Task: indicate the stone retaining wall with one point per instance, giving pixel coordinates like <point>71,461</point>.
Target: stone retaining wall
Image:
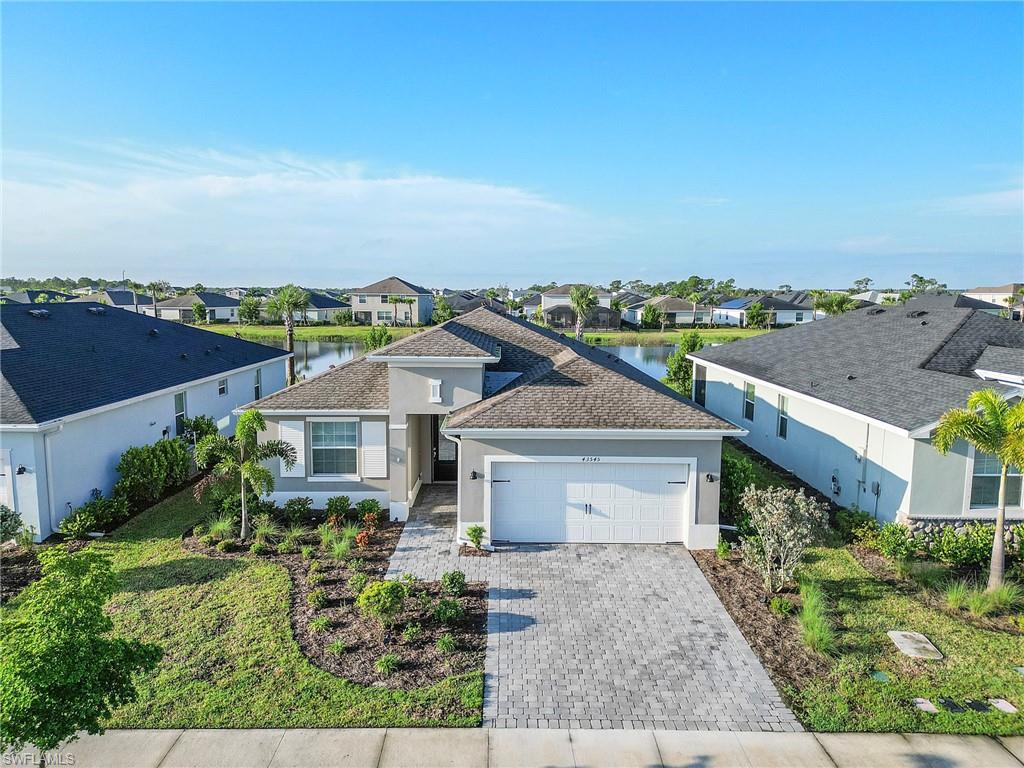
<point>926,528</point>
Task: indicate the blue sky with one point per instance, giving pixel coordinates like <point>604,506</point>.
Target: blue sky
<point>471,144</point>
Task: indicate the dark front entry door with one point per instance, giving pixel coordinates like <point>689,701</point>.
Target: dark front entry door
<point>445,454</point>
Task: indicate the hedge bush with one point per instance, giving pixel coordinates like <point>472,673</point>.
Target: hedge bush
<point>97,514</point>
<point>971,547</point>
<point>148,471</point>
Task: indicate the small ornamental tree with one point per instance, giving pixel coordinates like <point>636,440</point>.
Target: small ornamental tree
<point>249,310</point>
<point>785,523</point>
<point>61,672</point>
<point>198,312</point>
<point>379,336</point>
<point>756,316</point>
<point>679,375</point>
<point>652,317</point>
<point>442,310</point>
<point>10,523</point>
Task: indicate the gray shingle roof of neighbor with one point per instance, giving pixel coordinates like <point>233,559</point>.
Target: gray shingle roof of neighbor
<point>466,301</point>
<point>564,290</point>
<point>80,356</point>
<point>1008,288</point>
<point>671,304</point>
<point>949,301</point>
<point>1001,360</point>
<point>29,297</point>
<point>208,298</point>
<point>323,301</point>
<point>450,339</point>
<point>767,302</point>
<point>901,366</point>
<point>563,383</point>
<point>117,298</point>
<point>393,285</point>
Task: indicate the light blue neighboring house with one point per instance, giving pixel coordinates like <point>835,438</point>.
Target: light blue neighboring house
<point>82,382</point>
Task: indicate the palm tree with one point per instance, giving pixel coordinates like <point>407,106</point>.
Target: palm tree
<point>240,460</point>
<point>288,300</point>
<point>583,300</point>
<point>834,303</point>
<point>995,427</point>
<point>694,298</point>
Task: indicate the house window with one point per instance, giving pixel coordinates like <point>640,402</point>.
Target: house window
<point>333,444</point>
<point>700,384</point>
<point>384,299</point>
<point>180,413</point>
<point>257,389</point>
<point>985,482</point>
<point>435,390</point>
<point>799,317</point>
<point>385,316</point>
<point>748,402</point>
<point>783,427</point>
<point>362,298</point>
<point>222,387</point>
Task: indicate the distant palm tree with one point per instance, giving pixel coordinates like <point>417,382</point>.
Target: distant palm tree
<point>583,300</point>
<point>835,303</point>
<point>694,298</point>
<point>288,300</point>
<point>995,427</point>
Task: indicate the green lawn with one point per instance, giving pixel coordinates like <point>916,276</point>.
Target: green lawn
<point>978,663</point>
<point>764,475</point>
<point>656,338</point>
<point>230,658</point>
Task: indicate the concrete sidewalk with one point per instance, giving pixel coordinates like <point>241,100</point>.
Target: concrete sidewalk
<point>526,748</point>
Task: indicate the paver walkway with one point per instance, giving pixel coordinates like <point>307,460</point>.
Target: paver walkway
<point>600,635</point>
<point>506,748</point>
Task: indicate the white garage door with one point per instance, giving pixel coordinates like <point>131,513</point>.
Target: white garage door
<point>588,502</point>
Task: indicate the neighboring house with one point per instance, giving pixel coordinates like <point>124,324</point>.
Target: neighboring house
<point>558,311</point>
<point>876,297</point>
<point>849,403</point>
<point>530,305</point>
<point>627,299</point>
<point>952,301</point>
<point>373,305</point>
<point>219,308</point>
<point>547,439</point>
<point>35,297</point>
<point>322,309</point>
<point>130,300</point>
<point>82,383</point>
<point>86,290</point>
<point>237,293</point>
<point>677,311</point>
<point>997,294</point>
<point>734,311</point>
<point>466,301</point>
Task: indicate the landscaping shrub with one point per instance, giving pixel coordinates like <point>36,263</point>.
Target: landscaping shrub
<point>980,603</point>
<point>297,509</point>
<point>382,600</point>
<point>814,621</point>
<point>199,530</point>
<point>326,535</point>
<point>340,549</point>
<point>207,540</point>
<point>850,521</point>
<point>97,514</point>
<point>337,509</point>
<point>26,538</point>
<point>320,624</point>
<point>314,578</point>
<point>10,523</point>
<point>738,474</point>
<point>896,542</point>
<point>349,531</point>
<point>368,507</point>
<point>1006,597</point>
<point>265,529</point>
<point>956,594</point>
<point>866,534</point>
<point>781,606</point>
<point>221,526</point>
<point>357,583</point>
<point>259,548</point>
<point>453,583</point>
<point>317,598</point>
<point>226,545</point>
<point>722,549</point>
<point>314,566</point>
<point>362,539</point>
<point>386,664</point>
<point>357,565</point>
<point>307,552</point>
<point>147,471</point>
<point>786,522</point>
<point>475,533</point>
<point>337,648</point>
<point>447,611</point>
<point>970,548</point>
<point>198,427</point>
<point>411,632</point>
<point>446,643</point>
<point>287,547</point>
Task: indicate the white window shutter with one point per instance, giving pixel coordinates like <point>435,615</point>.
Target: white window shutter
<point>293,433</point>
<point>375,449</point>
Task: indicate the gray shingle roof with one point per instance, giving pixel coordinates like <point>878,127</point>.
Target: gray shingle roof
<point>117,298</point>
<point>897,366</point>
<point>1001,360</point>
<point>208,299</point>
<point>29,297</point>
<point>564,290</point>
<point>392,285</point>
<point>357,384</point>
<point>949,301</point>
<point>75,359</point>
<point>451,339</point>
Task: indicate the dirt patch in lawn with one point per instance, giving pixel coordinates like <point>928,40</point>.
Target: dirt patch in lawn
<point>775,639</point>
<point>350,645</point>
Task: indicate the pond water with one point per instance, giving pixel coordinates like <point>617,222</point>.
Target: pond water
<point>313,357</point>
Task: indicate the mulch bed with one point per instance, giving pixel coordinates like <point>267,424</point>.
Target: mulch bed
<point>465,550</point>
<point>420,662</point>
<point>21,568</point>
<point>775,639</point>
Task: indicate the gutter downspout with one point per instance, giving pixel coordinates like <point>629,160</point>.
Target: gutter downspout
<point>47,462</point>
<point>458,488</point>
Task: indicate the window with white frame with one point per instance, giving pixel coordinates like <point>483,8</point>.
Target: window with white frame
<point>362,298</point>
<point>435,390</point>
<point>180,413</point>
<point>985,482</point>
<point>782,429</point>
<point>257,389</point>
<point>384,299</point>
<point>748,402</point>
<point>334,445</point>
<point>222,387</point>
<point>385,316</point>
<point>799,317</point>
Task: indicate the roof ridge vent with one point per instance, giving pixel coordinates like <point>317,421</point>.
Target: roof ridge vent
<point>917,313</point>
<point>40,313</point>
<point>154,332</point>
<point>876,311</point>
<point>97,310</point>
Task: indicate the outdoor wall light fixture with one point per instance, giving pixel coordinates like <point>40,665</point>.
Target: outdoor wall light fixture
<point>20,470</point>
<point>473,475</point>
<point>709,477</point>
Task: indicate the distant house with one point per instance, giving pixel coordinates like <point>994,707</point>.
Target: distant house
<point>86,290</point>
<point>952,301</point>
<point>627,298</point>
<point>237,293</point>
<point>997,294</point>
<point>677,311</point>
<point>83,382</point>
<point>219,308</point>
<point>530,305</point>
<point>36,297</point>
<point>558,311</point>
<point>849,405</point>
<point>322,309</point>
<point>462,302</point>
<point>130,300</point>
<point>876,297</point>
<point>374,304</point>
<point>734,311</point>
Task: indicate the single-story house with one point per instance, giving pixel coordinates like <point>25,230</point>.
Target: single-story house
<point>130,300</point>
<point>83,382</point>
<point>558,311</point>
<point>237,293</point>
<point>546,439</point>
<point>219,308</point>
<point>530,305</point>
<point>625,299</point>
<point>952,301</point>
<point>462,302</point>
<point>392,301</point>
<point>734,311</point>
<point>849,404</point>
<point>677,311</point>
<point>36,297</point>
<point>322,309</point>
<point>876,297</point>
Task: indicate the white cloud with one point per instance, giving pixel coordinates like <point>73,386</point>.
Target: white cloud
<point>255,218</point>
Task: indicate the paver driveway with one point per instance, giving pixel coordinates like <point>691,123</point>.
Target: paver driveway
<point>600,635</point>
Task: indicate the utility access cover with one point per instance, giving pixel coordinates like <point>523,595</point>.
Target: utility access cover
<point>914,644</point>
